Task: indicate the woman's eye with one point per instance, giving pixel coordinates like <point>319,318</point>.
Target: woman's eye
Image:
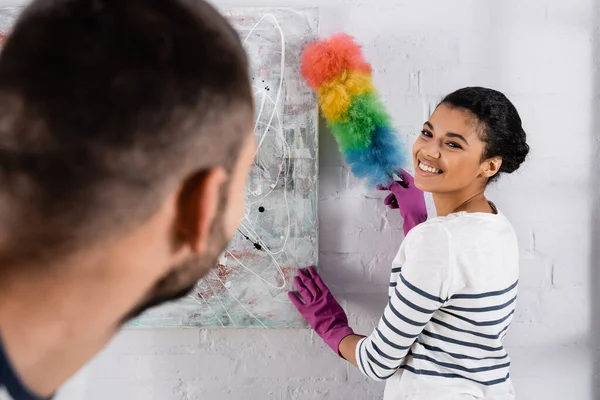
<point>426,134</point>
<point>454,145</point>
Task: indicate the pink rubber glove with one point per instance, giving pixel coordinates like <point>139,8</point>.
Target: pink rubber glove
<point>317,305</point>
<point>408,199</point>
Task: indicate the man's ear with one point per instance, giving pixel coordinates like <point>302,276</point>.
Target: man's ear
<point>198,205</point>
<point>491,166</point>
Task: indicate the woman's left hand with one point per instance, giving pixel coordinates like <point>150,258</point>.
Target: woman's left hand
<point>320,309</point>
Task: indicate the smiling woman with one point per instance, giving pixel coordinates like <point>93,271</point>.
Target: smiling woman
<point>454,281</point>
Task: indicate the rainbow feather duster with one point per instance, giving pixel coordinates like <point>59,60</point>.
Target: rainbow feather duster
<point>338,72</point>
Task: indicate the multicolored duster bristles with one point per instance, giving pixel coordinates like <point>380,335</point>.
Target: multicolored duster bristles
<point>342,78</point>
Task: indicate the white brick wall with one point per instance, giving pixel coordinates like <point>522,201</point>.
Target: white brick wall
<point>544,55</point>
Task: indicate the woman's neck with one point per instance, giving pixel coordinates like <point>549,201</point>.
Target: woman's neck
<point>469,201</point>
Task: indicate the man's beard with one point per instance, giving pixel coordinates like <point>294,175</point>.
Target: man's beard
<point>181,279</point>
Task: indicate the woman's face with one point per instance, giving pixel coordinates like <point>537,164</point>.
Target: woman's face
<point>448,153</point>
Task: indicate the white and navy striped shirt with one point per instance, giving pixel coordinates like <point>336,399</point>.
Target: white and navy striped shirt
<point>453,290</point>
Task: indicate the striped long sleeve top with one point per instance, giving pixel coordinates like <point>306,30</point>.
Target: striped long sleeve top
<point>452,296</point>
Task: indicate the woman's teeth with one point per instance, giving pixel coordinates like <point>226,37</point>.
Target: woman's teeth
<point>427,168</point>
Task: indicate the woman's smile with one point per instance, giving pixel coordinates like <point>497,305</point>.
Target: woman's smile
<point>427,169</point>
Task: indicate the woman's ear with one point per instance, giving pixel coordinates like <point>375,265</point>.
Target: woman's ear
<point>198,205</point>
<point>491,166</point>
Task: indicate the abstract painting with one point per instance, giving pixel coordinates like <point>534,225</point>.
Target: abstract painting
<point>278,233</point>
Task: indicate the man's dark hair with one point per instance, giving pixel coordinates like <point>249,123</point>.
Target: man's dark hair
<point>502,130</point>
<point>105,105</point>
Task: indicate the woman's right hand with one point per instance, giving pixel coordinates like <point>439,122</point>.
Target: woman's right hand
<point>406,197</point>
